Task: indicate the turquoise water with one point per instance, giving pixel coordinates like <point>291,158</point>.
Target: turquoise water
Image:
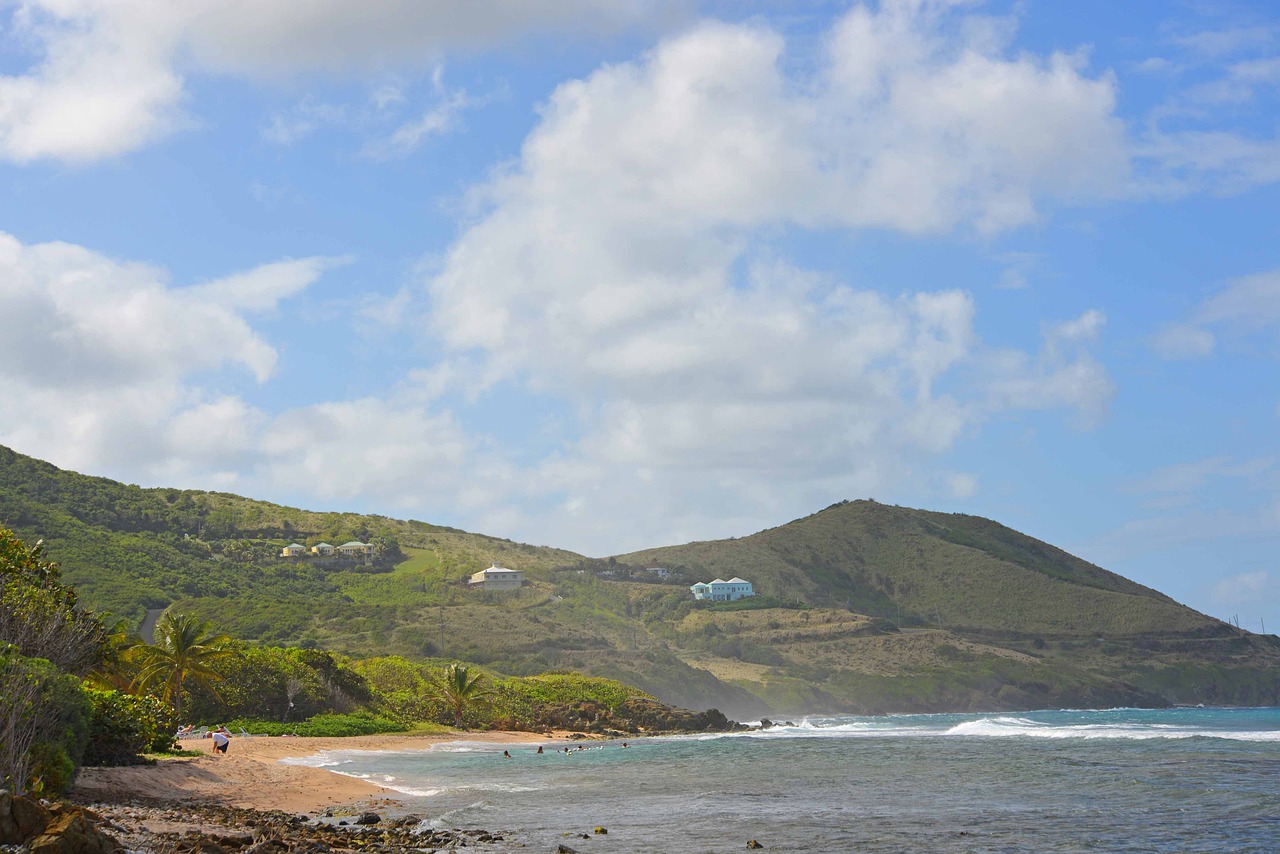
<point>1180,780</point>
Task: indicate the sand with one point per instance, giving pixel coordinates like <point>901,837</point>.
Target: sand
<point>251,775</point>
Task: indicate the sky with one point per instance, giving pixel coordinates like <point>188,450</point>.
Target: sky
<point>616,274</point>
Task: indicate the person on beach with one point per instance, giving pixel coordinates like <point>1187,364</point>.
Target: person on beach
<point>221,740</point>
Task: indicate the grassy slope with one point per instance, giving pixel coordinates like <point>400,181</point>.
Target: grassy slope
<point>990,618</point>
<point>956,572</point>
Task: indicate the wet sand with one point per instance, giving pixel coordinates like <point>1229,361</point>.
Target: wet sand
<point>251,775</point>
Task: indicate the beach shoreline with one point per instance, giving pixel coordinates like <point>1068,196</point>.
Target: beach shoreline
<point>252,775</point>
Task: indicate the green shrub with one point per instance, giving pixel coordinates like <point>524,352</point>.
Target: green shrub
<point>44,725</point>
<point>124,726</point>
<point>321,726</point>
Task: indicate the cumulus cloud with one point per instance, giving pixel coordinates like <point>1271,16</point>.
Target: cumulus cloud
<point>97,355</point>
<point>108,75</point>
<point>622,263</point>
<point>624,267</point>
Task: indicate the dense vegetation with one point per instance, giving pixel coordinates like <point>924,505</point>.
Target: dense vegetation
<point>862,606</point>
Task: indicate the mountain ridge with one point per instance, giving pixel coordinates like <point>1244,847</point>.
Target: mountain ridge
<point>864,606</point>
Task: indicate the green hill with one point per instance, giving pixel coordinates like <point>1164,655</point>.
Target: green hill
<point>863,606</point>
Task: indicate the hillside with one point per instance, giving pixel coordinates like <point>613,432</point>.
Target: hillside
<point>917,568</point>
<point>864,606</point>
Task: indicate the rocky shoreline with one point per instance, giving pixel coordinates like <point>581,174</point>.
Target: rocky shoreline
<point>28,825</point>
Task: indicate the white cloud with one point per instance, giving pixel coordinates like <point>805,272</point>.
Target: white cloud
<point>622,263</point>
<point>1192,476</point>
<point>1249,303</point>
<point>109,76</point>
<point>1171,532</point>
<point>98,356</point>
<point>440,118</point>
<point>1226,40</point>
<point>1062,374</point>
<point>1243,588</point>
<point>1250,300</point>
<point>406,456</point>
<point>264,287</point>
<point>303,120</point>
<point>1182,341</point>
<point>1018,267</point>
<point>961,485</point>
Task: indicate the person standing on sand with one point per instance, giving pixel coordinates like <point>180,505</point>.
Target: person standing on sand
<point>221,740</point>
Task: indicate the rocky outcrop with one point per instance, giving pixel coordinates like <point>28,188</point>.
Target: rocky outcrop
<point>633,717</point>
<point>53,828</point>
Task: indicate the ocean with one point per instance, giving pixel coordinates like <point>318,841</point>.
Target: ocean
<point>1125,780</point>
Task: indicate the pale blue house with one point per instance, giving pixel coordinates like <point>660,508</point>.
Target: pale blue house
<point>723,591</point>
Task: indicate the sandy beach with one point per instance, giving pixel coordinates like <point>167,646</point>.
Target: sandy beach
<point>252,776</point>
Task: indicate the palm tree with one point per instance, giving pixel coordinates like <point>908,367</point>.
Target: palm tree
<point>186,648</point>
<point>459,689</point>
<point>120,651</point>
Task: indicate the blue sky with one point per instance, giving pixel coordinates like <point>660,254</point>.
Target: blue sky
<point>611,275</point>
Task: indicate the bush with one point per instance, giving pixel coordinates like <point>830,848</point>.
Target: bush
<point>124,726</point>
<point>44,722</point>
<point>321,726</point>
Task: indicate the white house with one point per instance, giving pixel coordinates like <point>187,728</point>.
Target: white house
<point>659,571</point>
<point>355,548</point>
<point>723,591</point>
<point>496,578</point>
<point>322,549</point>
<point>293,550</point>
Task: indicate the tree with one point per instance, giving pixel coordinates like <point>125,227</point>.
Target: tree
<point>39,614</point>
<point>186,648</point>
<point>44,724</point>
<point>461,689</point>
<point>46,643</point>
<point>117,666</point>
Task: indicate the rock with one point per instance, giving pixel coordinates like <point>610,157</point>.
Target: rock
<point>602,830</point>
<point>235,840</point>
<point>8,827</point>
<point>368,818</point>
<point>565,849</point>
<point>70,832</point>
<point>753,844</point>
<point>30,818</point>
<point>267,846</point>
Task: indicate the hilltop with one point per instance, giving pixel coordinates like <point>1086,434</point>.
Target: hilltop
<point>863,607</point>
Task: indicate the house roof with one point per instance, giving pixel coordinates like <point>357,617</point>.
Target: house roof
<point>355,543</point>
<point>322,546</point>
<point>496,568</point>
<point>293,546</point>
<point>737,580</point>
<point>719,581</point>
